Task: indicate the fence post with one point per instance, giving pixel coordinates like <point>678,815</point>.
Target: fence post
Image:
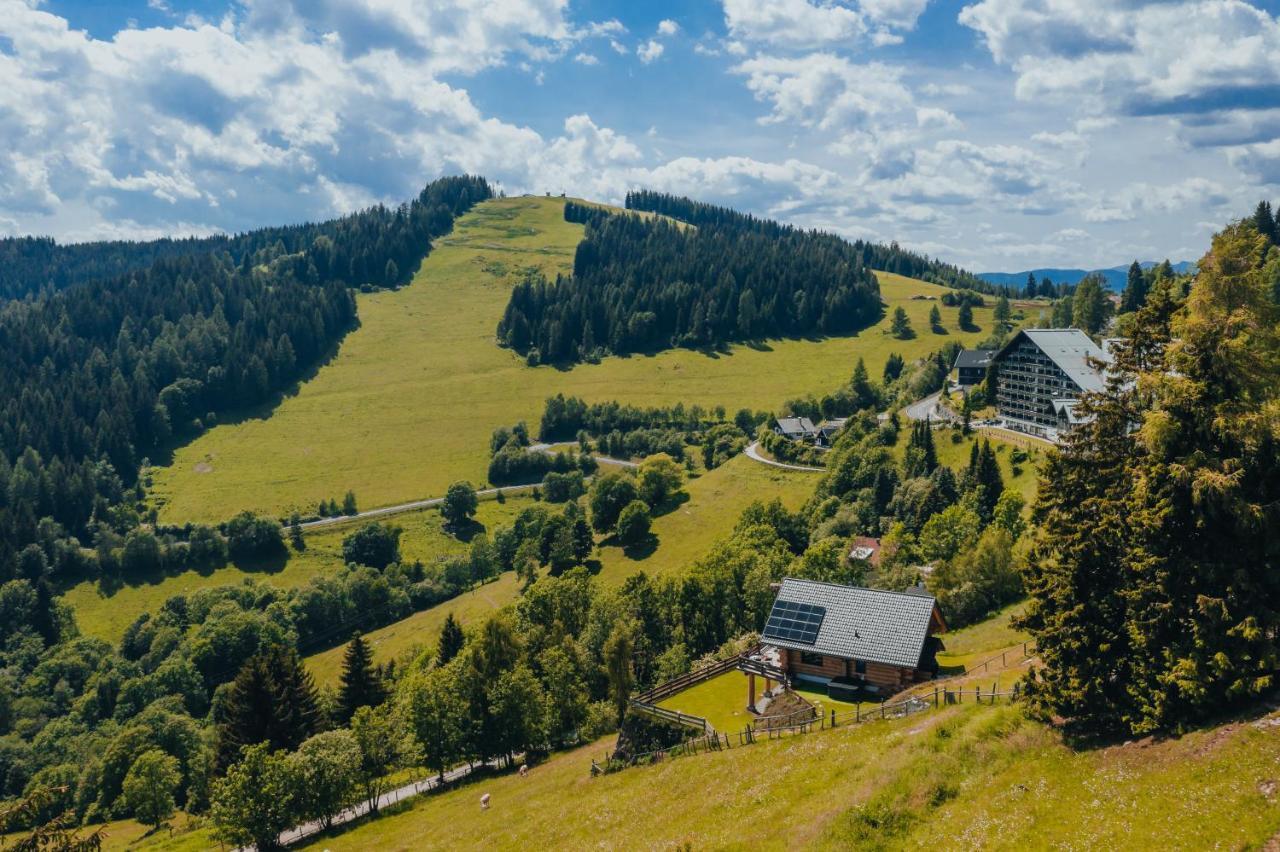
<point>833,717</point>
<point>857,712</point>
<point>935,698</point>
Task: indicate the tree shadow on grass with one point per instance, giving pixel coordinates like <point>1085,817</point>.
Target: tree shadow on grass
<point>109,585</point>
<point>641,550</point>
<point>1229,719</point>
<point>669,505</point>
<point>465,531</point>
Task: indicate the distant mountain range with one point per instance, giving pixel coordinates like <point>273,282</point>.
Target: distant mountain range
<point>1115,276</point>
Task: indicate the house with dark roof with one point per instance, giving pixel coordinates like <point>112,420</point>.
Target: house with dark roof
<point>795,428</point>
<point>1041,373</point>
<point>827,431</point>
<point>850,640</point>
<point>971,366</point>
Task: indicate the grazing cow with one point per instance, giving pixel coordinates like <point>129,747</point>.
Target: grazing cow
<point>484,802</point>
<point>524,770</point>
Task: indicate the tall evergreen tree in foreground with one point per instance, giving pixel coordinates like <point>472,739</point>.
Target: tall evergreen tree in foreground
<point>1155,582</point>
<point>361,684</point>
<point>273,700</point>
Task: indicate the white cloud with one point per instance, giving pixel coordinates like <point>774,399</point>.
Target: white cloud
<point>650,50</point>
<point>668,27</point>
<point>897,13</point>
<point>1138,199</point>
<point>825,91</point>
<point>933,117</point>
<point>262,119</point>
<point>953,90</point>
<point>1065,139</point>
<point>793,23</point>
<point>1176,58</point>
<point>586,59</point>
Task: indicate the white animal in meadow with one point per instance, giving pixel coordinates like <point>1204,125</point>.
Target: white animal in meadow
<point>484,802</point>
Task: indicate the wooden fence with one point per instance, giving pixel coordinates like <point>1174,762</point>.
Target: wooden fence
<point>1027,653</point>
<point>719,741</point>
<point>686,680</point>
<point>685,719</point>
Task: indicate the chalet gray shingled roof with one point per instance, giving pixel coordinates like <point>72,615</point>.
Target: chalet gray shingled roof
<point>974,358</point>
<point>1068,348</point>
<point>796,425</point>
<point>861,624</point>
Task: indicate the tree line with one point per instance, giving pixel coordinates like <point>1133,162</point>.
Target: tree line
<point>889,258</point>
<point>379,246</point>
<point>645,284</point>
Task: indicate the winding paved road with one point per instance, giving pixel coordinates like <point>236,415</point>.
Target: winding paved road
<point>753,452</point>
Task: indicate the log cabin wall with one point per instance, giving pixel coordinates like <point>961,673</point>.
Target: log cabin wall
<point>887,677</point>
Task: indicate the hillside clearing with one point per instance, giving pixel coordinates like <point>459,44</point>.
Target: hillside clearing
<point>964,777</point>
<point>408,403</point>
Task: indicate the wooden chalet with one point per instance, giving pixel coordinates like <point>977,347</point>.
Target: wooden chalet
<point>852,641</point>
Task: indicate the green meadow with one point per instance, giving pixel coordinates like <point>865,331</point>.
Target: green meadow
<point>408,402</point>
<point>963,777</point>
<point>716,500</point>
<point>105,613</point>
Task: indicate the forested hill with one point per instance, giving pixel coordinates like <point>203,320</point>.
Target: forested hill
<point>889,258</point>
<point>644,284</point>
<point>379,246</point>
<point>100,375</point>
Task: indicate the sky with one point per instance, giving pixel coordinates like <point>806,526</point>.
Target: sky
<point>995,134</point>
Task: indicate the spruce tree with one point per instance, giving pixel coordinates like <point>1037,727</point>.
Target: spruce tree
<point>1135,289</point>
<point>273,699</point>
<point>451,640</point>
<point>989,478</point>
<point>1153,585</point>
<point>361,684</point>
<point>1266,223</point>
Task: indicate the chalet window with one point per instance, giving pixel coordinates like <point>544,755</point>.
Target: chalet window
<point>860,666</point>
<point>809,658</point>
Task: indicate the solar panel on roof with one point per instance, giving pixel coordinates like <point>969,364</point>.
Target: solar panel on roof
<point>795,622</point>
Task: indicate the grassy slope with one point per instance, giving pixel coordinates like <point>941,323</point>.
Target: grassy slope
<point>104,615</point>
<point>962,777</point>
<point>409,401</point>
<point>716,499</point>
<point>956,456</point>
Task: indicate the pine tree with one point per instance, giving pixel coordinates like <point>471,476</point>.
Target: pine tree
<point>965,317</point>
<point>1135,289</point>
<point>900,326</point>
<point>1003,314</point>
<point>1266,223</point>
<point>989,479</point>
<point>451,640</point>
<point>361,685</point>
<point>273,699</point>
<point>935,320</point>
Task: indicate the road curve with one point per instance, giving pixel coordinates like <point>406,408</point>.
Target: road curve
<point>753,452</point>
